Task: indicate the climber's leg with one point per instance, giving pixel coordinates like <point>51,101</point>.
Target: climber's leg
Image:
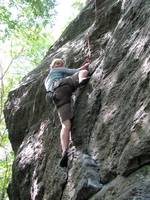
<point>70,139</point>
<point>65,135</point>
<point>83,75</point>
<point>64,139</point>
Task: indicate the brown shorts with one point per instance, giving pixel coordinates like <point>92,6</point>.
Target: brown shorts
<point>62,96</point>
<point>65,112</point>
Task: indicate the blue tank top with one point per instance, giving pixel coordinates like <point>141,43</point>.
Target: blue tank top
<point>57,74</point>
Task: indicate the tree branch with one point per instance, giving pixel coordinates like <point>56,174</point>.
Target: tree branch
<point>11,62</point>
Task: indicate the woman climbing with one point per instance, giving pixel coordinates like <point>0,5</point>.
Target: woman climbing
<point>62,82</point>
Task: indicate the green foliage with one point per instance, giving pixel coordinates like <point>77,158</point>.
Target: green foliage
<point>6,154</point>
<point>5,17</point>
<point>5,172</point>
<point>24,38</point>
<point>24,14</point>
<point>39,7</point>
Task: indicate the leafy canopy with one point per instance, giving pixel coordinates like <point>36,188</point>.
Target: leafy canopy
<point>15,14</point>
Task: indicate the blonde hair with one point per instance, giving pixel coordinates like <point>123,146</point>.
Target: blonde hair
<point>56,61</point>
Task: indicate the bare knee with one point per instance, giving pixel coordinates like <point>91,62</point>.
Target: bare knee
<point>83,73</point>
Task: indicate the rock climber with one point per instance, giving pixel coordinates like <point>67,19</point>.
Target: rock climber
<point>61,82</point>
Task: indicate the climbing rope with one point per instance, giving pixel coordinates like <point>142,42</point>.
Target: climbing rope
<point>87,49</point>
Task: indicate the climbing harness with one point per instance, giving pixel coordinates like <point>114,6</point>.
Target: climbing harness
<point>51,93</point>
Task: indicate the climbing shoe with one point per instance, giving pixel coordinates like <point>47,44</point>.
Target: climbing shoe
<point>64,160</point>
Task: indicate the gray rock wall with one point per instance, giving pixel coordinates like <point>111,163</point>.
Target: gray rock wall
<point>110,155</point>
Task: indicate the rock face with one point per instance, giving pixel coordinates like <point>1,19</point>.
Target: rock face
<point>110,156</point>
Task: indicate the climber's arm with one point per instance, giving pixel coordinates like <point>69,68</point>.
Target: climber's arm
<point>72,71</point>
<point>85,65</point>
